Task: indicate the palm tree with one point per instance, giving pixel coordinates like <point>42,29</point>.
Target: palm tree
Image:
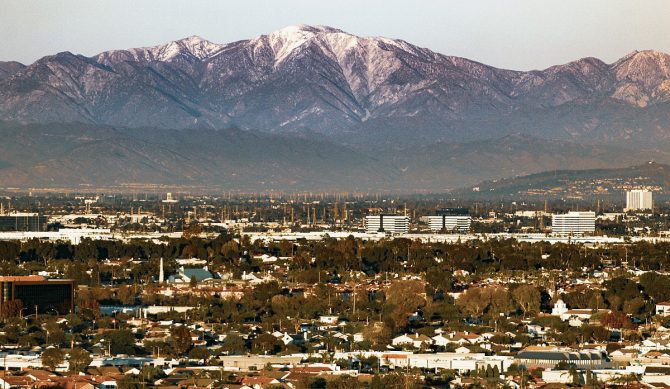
<point>627,379</point>
<point>573,372</point>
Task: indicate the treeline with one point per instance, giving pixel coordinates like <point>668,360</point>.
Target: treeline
<point>344,255</point>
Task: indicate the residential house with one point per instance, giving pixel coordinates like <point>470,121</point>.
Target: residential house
<point>414,340</point>
<point>663,309</point>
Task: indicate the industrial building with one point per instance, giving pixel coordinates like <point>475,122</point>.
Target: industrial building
<point>573,223</point>
<point>393,224</point>
<point>450,220</point>
<point>638,200</point>
<point>23,222</point>
<point>37,295</point>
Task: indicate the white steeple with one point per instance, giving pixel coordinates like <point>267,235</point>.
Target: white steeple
<point>161,274</point>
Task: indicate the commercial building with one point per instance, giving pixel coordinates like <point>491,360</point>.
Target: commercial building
<point>548,358</point>
<point>393,224</point>
<point>450,220</point>
<point>23,222</point>
<point>573,223</point>
<point>169,198</point>
<point>638,200</point>
<point>36,294</point>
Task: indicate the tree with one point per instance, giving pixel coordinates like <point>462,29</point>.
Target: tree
<point>266,344</point>
<point>656,285</point>
<point>11,308</point>
<point>181,340</point>
<point>439,280</point>
<point>378,334</point>
<point>52,358</point>
<point>199,353</point>
<point>193,230</point>
<point>501,303</point>
<point>626,379</point>
<point>620,289</point>
<point>79,359</point>
<point>616,320</point>
<point>129,382</point>
<point>634,306</point>
<point>234,345</point>
<point>343,382</point>
<point>230,250</point>
<point>90,307</point>
<point>406,297</point>
<point>281,305</point>
<point>574,373</point>
<point>591,379</point>
<point>120,341</point>
<point>528,298</point>
<point>473,301</point>
<point>125,295</point>
<point>393,380</point>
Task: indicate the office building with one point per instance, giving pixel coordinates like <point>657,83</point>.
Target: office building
<point>638,200</point>
<point>450,220</point>
<point>169,198</point>
<point>548,357</point>
<point>573,223</point>
<point>23,222</point>
<point>393,224</point>
<point>36,294</point>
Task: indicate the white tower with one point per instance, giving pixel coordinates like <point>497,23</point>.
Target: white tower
<point>638,200</point>
<point>161,274</point>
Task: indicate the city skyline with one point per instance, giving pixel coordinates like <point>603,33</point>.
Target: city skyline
<point>348,195</point>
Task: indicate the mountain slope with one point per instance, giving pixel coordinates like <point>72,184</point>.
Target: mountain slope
<point>606,181</point>
<point>76,155</point>
<point>331,82</point>
<point>9,68</point>
<point>96,156</point>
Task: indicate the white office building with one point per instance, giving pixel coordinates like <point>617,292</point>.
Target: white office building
<point>638,200</point>
<point>573,223</point>
<point>393,224</point>
<point>449,223</point>
<point>169,198</point>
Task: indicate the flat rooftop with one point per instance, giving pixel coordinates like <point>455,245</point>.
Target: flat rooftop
<point>33,278</point>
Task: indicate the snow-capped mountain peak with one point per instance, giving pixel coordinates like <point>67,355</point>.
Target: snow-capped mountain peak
<point>647,62</point>
<point>287,39</point>
<point>319,78</point>
<point>193,47</point>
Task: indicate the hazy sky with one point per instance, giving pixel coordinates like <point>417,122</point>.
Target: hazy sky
<point>512,34</point>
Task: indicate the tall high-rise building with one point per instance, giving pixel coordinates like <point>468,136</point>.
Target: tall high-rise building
<point>450,220</point>
<point>638,200</point>
<point>576,223</point>
<point>394,224</point>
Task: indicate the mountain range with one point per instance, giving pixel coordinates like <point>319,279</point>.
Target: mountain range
<point>327,109</point>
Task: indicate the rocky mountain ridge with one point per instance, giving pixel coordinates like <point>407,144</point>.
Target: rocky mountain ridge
<point>334,83</point>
